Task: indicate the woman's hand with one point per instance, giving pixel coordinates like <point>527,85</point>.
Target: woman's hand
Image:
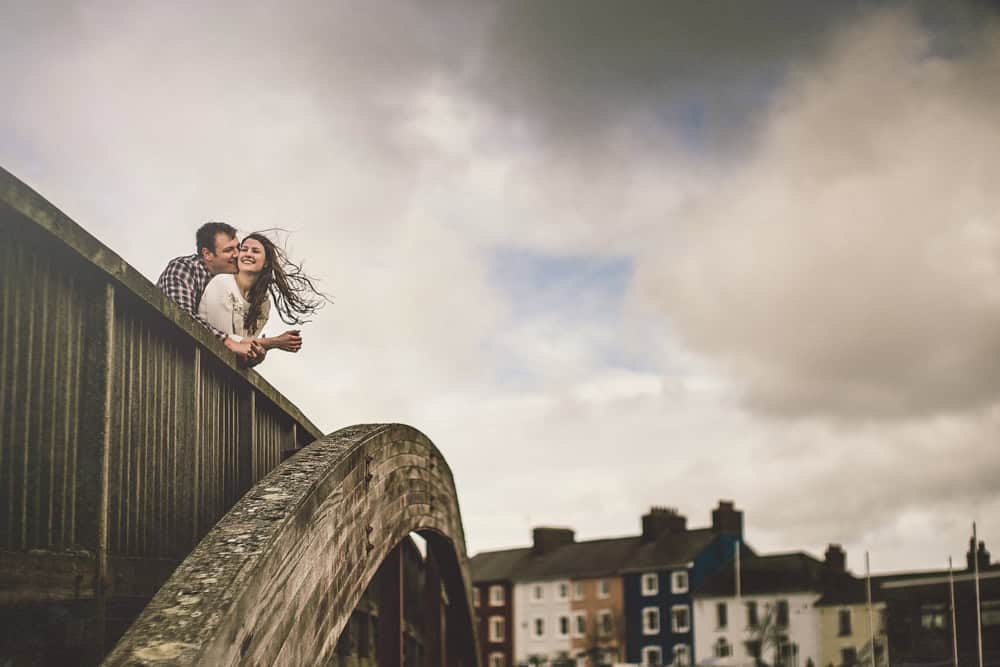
<point>290,341</point>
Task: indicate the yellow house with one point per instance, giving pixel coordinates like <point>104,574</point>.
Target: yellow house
<point>845,634</point>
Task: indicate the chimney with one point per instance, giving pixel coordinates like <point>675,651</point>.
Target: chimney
<point>727,519</point>
<point>546,540</point>
<point>981,554</point>
<point>835,559</point>
<point>662,520</point>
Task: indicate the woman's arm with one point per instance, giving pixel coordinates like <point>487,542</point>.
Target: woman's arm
<point>290,341</point>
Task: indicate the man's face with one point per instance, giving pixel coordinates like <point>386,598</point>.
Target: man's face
<point>223,260</point>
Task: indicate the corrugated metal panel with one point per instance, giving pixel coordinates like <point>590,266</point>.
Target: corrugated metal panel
<point>218,454</point>
<point>41,347</point>
<point>273,435</point>
<point>150,438</point>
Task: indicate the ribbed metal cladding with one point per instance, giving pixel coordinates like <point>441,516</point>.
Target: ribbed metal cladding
<point>272,436</point>
<point>151,482</point>
<point>42,334</point>
<point>219,435</point>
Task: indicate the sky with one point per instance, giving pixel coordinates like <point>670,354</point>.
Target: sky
<point>605,255</point>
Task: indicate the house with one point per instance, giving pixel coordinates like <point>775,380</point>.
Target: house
<point>847,626</point>
<point>492,601</point>
<point>772,618</point>
<point>670,562</point>
<point>920,618</point>
<point>564,602</point>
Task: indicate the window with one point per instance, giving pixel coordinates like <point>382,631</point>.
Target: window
<point>679,582</point>
<point>578,590</point>
<point>562,590</point>
<point>682,655</point>
<point>497,628</point>
<point>650,585</point>
<point>722,648</point>
<point>605,623</point>
<point>932,616</point>
<point>721,615</point>
<point>781,614</point>
<point>537,593</point>
<point>990,613</point>
<point>538,628</point>
<point>497,660</point>
<point>475,596</point>
<point>752,614</point>
<point>496,596</point>
<point>680,618</point>
<point>848,656</point>
<point>564,626</point>
<point>651,621</point>
<point>844,622</point>
<point>787,653</point>
<point>580,624</point>
<point>603,588</point>
<point>651,655</point>
<point>753,648</point>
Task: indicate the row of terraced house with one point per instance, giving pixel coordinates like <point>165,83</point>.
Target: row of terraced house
<point>672,596</point>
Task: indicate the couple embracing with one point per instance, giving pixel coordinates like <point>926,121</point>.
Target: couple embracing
<point>228,286</point>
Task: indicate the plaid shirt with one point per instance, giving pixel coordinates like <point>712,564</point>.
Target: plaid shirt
<point>183,281</point>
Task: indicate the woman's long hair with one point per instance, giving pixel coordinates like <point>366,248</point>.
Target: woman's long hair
<point>294,294</point>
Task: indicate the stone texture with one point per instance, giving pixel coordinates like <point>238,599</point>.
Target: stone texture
<point>276,581</point>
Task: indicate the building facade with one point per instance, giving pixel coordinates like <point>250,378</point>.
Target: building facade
<point>659,579</point>
<point>598,620</point>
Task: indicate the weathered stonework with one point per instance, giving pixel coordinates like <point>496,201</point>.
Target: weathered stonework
<point>276,580</point>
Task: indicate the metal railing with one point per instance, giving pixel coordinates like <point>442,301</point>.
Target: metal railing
<point>126,429</point>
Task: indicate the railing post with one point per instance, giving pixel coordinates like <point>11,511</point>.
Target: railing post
<point>196,448</point>
<point>434,649</point>
<point>247,444</point>
<point>389,651</point>
<point>93,460</point>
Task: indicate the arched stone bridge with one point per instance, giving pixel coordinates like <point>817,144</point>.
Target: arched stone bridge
<point>159,504</point>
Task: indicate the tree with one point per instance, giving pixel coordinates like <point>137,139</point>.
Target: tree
<point>767,638</point>
<point>598,640</point>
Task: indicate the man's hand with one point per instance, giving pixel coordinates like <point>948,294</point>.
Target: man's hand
<point>290,341</point>
<point>249,350</point>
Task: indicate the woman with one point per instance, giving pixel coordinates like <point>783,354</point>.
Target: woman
<point>239,303</point>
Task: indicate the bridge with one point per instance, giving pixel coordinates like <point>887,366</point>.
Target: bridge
<point>162,505</point>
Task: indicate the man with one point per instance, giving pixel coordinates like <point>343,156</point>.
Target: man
<point>185,278</point>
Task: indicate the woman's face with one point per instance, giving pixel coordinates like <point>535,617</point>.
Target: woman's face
<point>251,258</point>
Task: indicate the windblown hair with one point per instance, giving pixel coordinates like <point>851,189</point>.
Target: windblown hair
<point>295,296</point>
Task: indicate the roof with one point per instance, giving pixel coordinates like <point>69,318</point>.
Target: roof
<point>592,558</point>
<point>670,550</point>
<point>852,590</point>
<point>497,565</point>
<point>778,573</point>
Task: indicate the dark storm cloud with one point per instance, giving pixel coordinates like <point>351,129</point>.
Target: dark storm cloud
<point>575,69</point>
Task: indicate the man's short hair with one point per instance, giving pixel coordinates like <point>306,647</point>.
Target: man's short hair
<point>205,236</point>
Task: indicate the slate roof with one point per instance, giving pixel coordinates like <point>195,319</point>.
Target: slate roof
<point>851,590</point>
<point>670,550</point>
<point>592,558</point>
<point>778,573</point>
<point>497,565</point>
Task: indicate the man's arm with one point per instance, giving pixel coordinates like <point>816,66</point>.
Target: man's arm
<point>177,283</point>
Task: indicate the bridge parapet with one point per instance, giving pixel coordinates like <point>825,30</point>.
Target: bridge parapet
<point>276,581</point>
<point>126,429</point>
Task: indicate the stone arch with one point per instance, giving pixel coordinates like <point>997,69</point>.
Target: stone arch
<point>276,580</point>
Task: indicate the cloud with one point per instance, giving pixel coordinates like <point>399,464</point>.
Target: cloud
<point>848,267</point>
<point>495,193</point>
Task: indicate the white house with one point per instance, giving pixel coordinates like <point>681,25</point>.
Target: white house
<point>774,616</point>
<point>543,618</point>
